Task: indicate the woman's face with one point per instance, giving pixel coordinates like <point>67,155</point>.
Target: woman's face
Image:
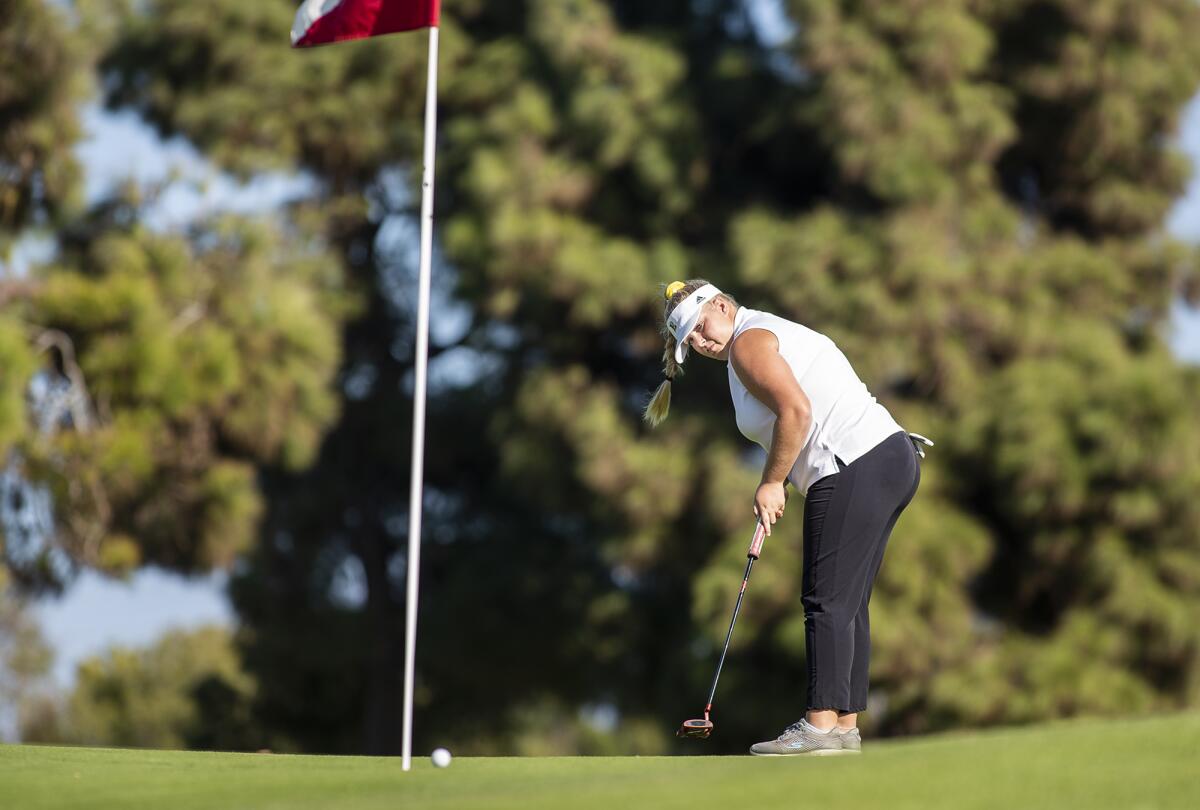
<point>711,335</point>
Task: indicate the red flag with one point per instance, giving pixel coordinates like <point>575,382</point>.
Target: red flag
<point>320,22</point>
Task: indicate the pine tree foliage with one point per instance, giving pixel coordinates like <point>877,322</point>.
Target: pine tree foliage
<point>1000,255</point>
<point>185,690</point>
<point>199,357</point>
<point>967,195</point>
<point>25,658</point>
<point>42,78</point>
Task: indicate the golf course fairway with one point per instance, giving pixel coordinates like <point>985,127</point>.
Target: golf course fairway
<point>1093,764</point>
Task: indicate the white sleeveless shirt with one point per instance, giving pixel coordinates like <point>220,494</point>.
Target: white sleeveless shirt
<point>847,422</point>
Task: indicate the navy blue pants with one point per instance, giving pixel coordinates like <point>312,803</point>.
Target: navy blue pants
<point>848,517</point>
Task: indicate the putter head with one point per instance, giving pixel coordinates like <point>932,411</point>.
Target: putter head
<point>696,729</point>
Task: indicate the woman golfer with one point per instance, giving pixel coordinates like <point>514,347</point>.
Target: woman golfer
<point>795,394</point>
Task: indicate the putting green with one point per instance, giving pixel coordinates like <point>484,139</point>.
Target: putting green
<point>1093,764</point>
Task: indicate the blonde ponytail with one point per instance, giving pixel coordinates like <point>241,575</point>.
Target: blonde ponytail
<point>660,403</point>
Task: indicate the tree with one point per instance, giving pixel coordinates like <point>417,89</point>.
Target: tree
<point>144,375</point>
<point>189,359</point>
<point>41,79</point>
<point>186,690</point>
<point>1000,214</point>
<point>44,77</point>
<point>39,177</point>
<point>25,660</point>
<point>967,195</point>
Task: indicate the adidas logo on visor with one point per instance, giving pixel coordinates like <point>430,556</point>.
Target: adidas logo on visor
<point>678,313</point>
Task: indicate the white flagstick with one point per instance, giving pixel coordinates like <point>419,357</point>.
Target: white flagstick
<point>418,433</point>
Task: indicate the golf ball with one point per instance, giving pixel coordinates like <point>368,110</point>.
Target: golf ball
<point>441,757</point>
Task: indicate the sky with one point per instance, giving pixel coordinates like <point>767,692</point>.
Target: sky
<point>96,612</point>
<point>1184,222</point>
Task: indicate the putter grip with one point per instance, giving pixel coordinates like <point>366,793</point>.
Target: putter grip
<point>760,533</point>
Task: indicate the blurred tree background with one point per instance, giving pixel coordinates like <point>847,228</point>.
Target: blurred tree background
<point>967,195</point>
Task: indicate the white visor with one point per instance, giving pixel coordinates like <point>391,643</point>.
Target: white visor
<point>683,318</point>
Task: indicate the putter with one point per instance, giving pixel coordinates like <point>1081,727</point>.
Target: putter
<point>702,728</point>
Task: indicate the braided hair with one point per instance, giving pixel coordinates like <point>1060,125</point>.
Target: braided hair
<point>660,403</point>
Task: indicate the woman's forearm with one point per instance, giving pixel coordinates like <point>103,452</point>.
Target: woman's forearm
<point>791,428</point>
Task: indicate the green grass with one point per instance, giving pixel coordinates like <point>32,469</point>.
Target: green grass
<point>1092,764</point>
